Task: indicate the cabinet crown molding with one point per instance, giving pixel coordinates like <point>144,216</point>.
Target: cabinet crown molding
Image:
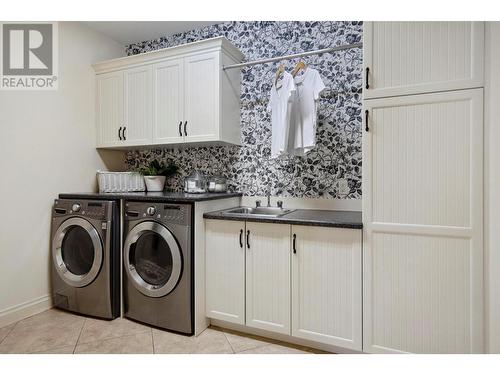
<point>206,45</point>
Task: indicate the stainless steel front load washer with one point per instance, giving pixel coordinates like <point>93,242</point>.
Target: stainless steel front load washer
<point>86,257</point>
<point>157,258</point>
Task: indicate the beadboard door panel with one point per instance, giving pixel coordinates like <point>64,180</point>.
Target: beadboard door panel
<point>423,223</point>
<point>419,57</point>
<point>109,109</point>
<point>421,294</point>
<point>168,105</point>
<point>225,270</point>
<point>268,277</point>
<point>202,97</point>
<point>138,93</point>
<point>326,286</point>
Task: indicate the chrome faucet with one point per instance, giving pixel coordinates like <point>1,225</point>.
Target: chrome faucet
<point>268,195</point>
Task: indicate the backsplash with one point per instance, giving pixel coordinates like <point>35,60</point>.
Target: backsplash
<point>248,167</point>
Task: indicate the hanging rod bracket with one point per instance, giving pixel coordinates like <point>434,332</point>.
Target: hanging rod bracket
<point>294,56</point>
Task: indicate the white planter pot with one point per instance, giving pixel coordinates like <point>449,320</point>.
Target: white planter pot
<point>155,183</point>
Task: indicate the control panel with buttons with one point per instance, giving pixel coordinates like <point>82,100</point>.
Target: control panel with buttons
<point>164,212</point>
<point>90,209</point>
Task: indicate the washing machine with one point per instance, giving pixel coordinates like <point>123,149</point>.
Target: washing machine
<point>86,257</point>
<point>158,260</point>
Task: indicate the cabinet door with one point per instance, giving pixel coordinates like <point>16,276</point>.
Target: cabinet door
<point>225,270</point>
<point>417,57</point>
<point>138,106</point>
<point>268,277</point>
<point>423,230</point>
<point>202,72</point>
<point>109,109</point>
<point>326,285</point>
<point>168,111</point>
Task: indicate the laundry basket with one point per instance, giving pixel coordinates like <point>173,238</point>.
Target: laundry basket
<point>113,182</point>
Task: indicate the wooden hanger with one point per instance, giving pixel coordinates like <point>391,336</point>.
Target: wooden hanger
<point>279,73</point>
<point>301,65</point>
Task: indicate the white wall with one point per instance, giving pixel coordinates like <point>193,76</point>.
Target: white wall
<point>47,146</point>
<point>492,186</point>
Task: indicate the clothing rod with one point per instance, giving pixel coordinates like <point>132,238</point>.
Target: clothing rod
<point>294,56</point>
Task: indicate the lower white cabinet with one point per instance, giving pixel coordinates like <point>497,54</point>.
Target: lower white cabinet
<point>268,277</point>
<point>302,281</point>
<point>225,270</point>
<point>326,285</point>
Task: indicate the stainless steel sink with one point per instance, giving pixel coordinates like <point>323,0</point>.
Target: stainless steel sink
<point>258,211</point>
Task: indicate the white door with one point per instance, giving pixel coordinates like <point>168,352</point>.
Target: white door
<point>168,105</point>
<point>422,217</point>
<point>109,109</point>
<point>138,91</point>
<point>202,72</point>
<point>403,58</point>
<point>326,285</point>
<point>268,276</point>
<point>225,270</point>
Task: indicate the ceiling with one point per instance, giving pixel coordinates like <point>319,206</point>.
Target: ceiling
<point>127,32</point>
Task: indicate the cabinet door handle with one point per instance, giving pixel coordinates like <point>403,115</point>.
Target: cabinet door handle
<point>120,133</point>
<point>185,126</point>
<point>241,241</point>
<point>367,128</point>
<point>294,243</point>
<point>124,136</point>
<point>248,239</point>
<point>180,130</point>
<point>367,78</point>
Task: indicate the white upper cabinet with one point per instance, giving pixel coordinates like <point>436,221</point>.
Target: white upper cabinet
<point>110,114</point>
<point>170,96</point>
<point>201,97</point>
<point>326,285</point>
<point>268,276</point>
<point>168,101</point>
<point>137,125</point>
<point>402,58</point>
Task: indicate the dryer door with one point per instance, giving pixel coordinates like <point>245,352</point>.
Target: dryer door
<point>77,252</point>
<point>152,259</point>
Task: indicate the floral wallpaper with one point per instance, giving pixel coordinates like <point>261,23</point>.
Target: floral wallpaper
<point>249,169</point>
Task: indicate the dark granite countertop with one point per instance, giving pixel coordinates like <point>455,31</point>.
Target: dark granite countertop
<point>152,197</point>
<point>322,218</point>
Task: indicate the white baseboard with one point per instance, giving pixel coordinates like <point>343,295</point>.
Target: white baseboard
<point>282,337</point>
<point>24,310</point>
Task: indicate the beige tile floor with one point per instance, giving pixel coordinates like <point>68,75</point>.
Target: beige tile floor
<point>56,331</point>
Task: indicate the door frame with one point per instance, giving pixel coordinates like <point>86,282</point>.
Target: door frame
<point>77,281</point>
<point>136,280</point>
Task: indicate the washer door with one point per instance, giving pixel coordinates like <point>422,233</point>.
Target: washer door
<point>77,252</point>
<point>152,259</point>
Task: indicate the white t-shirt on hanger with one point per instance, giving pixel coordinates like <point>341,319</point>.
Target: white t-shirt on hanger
<point>280,105</point>
<point>303,118</point>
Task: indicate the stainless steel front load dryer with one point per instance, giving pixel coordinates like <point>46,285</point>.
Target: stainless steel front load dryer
<point>157,258</point>
<point>86,257</point>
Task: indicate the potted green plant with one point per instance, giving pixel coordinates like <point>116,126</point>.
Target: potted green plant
<point>156,173</point>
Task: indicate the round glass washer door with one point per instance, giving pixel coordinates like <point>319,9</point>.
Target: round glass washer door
<point>152,259</point>
<point>77,252</point>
